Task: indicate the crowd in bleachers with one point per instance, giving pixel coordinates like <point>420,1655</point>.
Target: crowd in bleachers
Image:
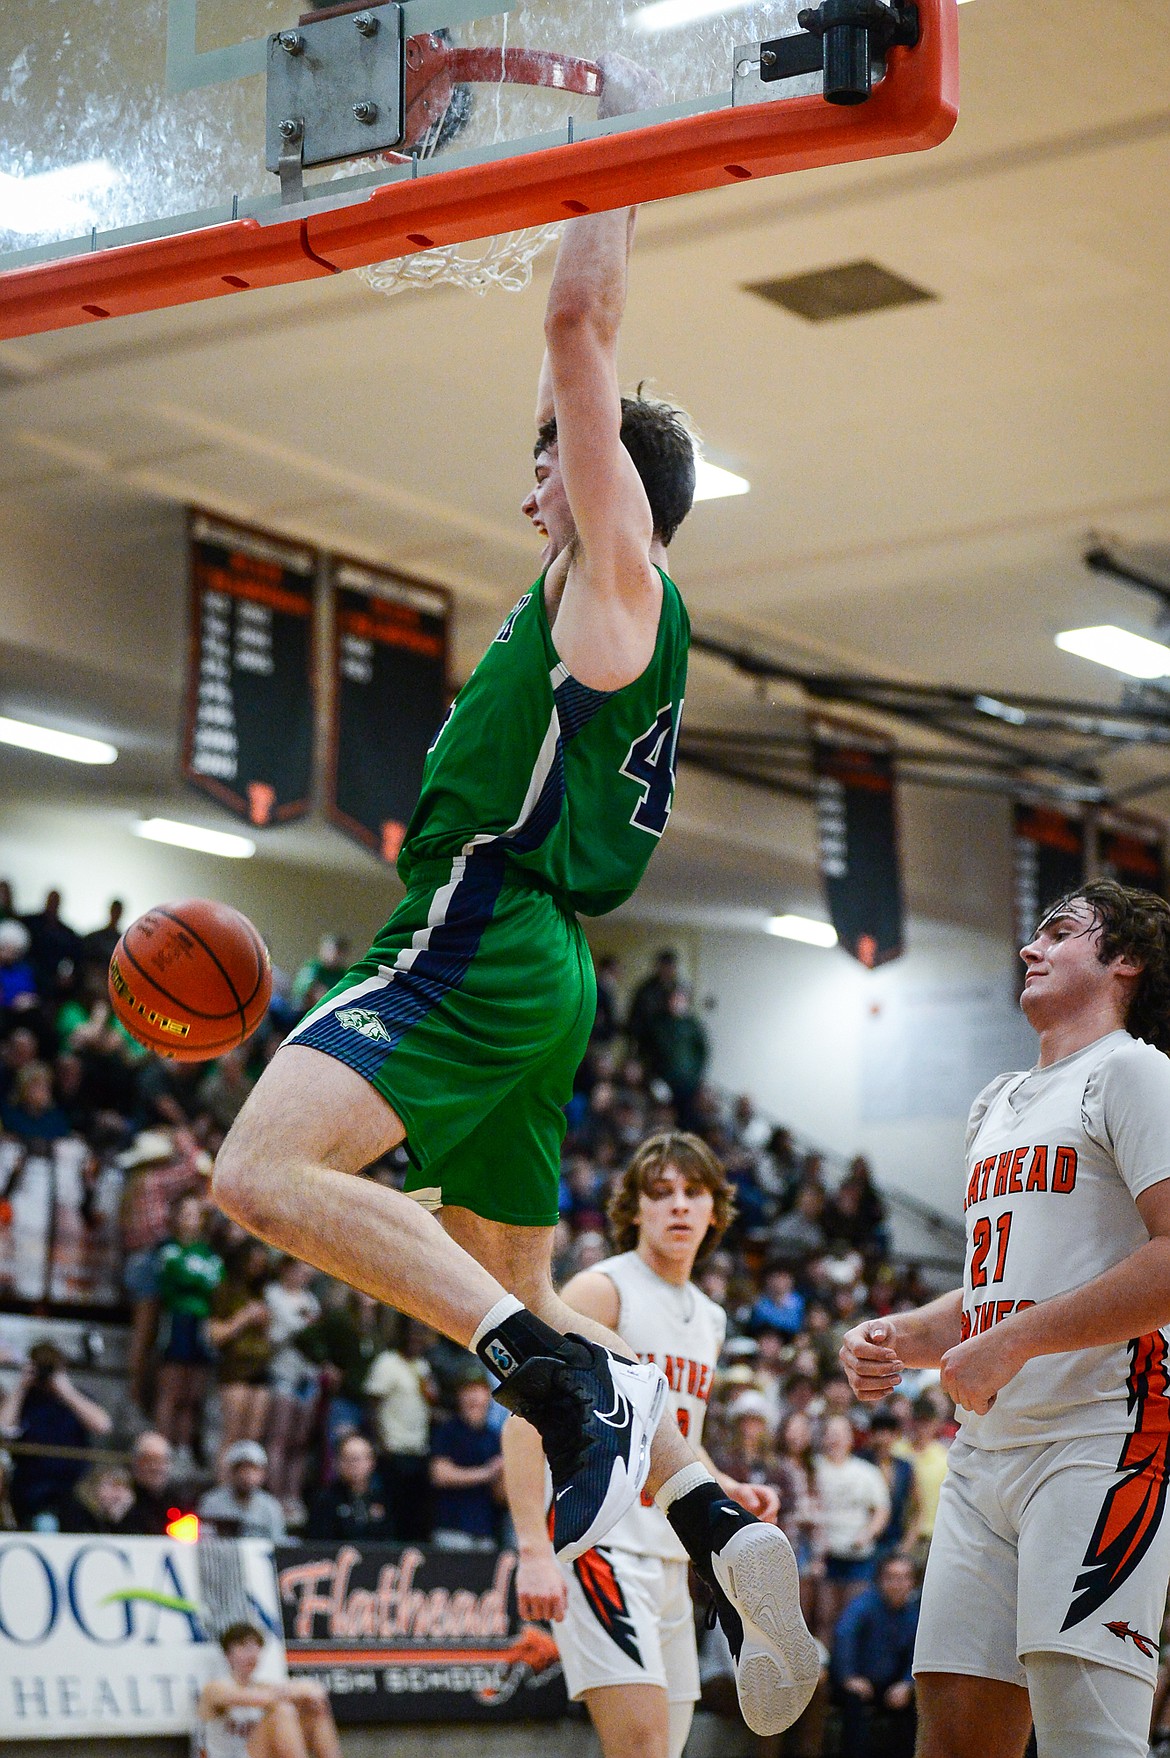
<point>274,1401</point>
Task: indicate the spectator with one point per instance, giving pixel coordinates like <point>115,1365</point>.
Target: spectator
<point>158,1168</point>
<point>240,1508</point>
<point>873,1650</point>
<point>856,1212</point>
<point>318,975</point>
<point>53,944</point>
<point>45,1409</point>
<point>156,1501</point>
<point>188,1273</point>
<point>749,1457</point>
<point>400,1390</point>
<point>607,1020</point>
<point>101,1502</point>
<point>97,947</point>
<point>295,1382</point>
<point>649,1002</point>
<point>239,1329</point>
<point>18,983</point>
<point>679,1051</point>
<point>222,1091</point>
<point>467,1473</point>
<point>855,1506</point>
<point>244,1718</point>
<point>800,1514</point>
<point>780,1306</point>
<point>799,1234</point>
<point>354,1505</point>
<point>33,1116</point>
<point>928,1458</point>
<point>898,1472</point>
<point>350,1332</point>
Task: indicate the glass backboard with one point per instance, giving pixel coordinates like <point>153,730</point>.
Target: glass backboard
<point>153,151</point>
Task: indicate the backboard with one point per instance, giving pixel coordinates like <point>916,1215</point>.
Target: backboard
<point>158,151</point>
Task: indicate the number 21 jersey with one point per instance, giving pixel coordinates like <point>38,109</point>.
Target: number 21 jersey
<point>571,784</point>
<point>1055,1161</point>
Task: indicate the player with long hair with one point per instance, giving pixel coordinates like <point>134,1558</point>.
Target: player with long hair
<point>622,1613</point>
<point>1048,1569</point>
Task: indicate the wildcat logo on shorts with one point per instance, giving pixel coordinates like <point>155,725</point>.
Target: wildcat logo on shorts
<point>360,1019</point>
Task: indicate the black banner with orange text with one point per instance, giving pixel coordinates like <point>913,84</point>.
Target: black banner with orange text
<point>248,734</point>
<point>1133,851</point>
<point>1049,860</point>
<point>407,1633</point>
<point>389,698</point>
<point>857,821</point>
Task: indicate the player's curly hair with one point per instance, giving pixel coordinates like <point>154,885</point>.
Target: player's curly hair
<point>685,1153</point>
<point>662,446</point>
<point>1135,923</point>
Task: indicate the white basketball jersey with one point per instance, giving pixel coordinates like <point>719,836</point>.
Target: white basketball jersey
<point>680,1330</point>
<point>1055,1159</point>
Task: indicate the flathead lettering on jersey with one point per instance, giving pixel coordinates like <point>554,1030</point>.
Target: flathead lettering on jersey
<point>692,1377</point>
<point>1022,1171</point>
<point>987,1313</point>
<point>1134,1508</point>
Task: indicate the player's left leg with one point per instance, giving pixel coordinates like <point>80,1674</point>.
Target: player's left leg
<point>1082,1709</point>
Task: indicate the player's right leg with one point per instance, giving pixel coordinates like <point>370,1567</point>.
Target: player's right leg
<point>960,1716</point>
<point>286,1172</point>
<point>632,1721</point>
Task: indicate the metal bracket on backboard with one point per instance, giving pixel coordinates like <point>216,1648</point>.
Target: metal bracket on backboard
<point>189,67</point>
<point>844,42</point>
<point>335,91</point>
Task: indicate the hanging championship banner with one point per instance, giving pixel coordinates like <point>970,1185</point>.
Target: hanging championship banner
<point>1132,850</point>
<point>1049,860</point>
<point>858,835</point>
<point>406,1634</point>
<point>389,668</point>
<point>248,737</point>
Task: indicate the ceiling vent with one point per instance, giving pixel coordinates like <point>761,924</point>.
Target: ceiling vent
<point>844,291</point>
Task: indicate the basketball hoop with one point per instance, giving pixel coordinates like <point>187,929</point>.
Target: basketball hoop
<point>438,102</point>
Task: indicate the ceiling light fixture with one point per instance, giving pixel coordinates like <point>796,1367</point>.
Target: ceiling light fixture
<point>54,201</point>
<point>55,744</point>
<point>1119,649</point>
<point>713,483</point>
<point>804,929</point>
<point>668,15</point>
<point>208,842</point>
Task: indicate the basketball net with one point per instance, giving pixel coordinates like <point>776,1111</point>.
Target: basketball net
<point>504,261</point>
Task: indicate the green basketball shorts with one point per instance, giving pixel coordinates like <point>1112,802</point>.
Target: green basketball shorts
<point>470,1014</point>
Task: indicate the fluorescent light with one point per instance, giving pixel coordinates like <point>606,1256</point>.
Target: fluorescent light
<point>667,15</point>
<point>208,842</point>
<point>1001,710</point>
<point>713,483</point>
<point>54,201</point>
<point>1119,649</point>
<point>803,928</point>
<point>54,743</point>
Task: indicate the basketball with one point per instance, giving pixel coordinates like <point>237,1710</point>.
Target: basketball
<point>190,980</point>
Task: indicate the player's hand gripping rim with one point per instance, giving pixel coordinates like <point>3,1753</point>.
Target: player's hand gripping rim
<point>870,1360</point>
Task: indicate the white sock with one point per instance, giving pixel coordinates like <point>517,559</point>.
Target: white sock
<point>681,1484</point>
<point>504,1308</point>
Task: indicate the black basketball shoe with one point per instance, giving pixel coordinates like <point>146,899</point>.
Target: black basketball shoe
<point>753,1576</point>
<point>596,1414</point>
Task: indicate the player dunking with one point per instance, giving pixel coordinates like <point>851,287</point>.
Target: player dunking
<point>1048,1570</point>
<point>624,1622</point>
<point>544,794</point>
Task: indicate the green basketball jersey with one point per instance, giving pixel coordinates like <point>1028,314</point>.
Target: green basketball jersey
<point>571,784</point>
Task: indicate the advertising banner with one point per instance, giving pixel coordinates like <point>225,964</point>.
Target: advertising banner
<point>248,738</point>
<point>389,693</point>
<point>110,1635</point>
<point>412,1634</point>
<point>857,822</point>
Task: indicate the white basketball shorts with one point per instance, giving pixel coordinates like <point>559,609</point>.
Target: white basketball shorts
<point>629,1621</point>
<point>1059,1549</point>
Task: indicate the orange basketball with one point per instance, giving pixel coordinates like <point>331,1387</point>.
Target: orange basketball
<point>191,980</point>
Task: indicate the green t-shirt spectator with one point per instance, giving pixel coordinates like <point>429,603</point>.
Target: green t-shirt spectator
<point>188,1276</point>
